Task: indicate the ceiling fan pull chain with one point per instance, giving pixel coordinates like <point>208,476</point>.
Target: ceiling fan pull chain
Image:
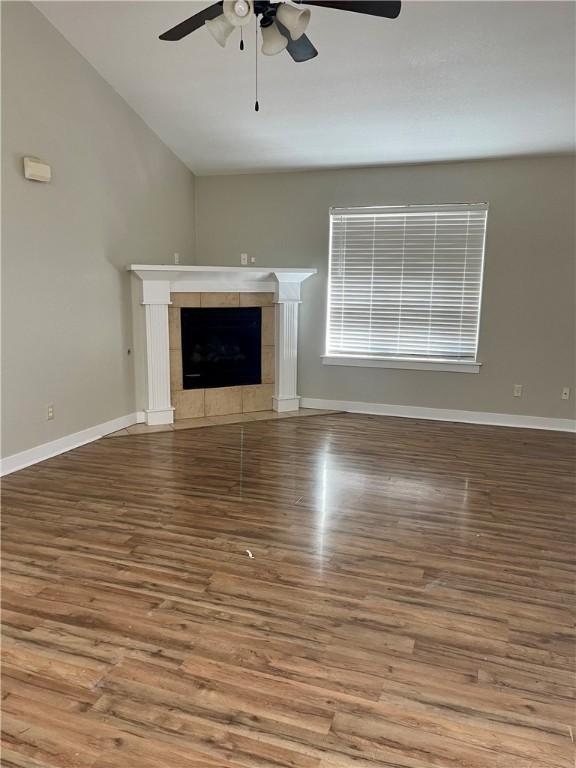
<point>241,39</point>
<point>256,105</point>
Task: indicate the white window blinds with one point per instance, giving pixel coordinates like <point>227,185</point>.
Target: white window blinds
<point>406,282</point>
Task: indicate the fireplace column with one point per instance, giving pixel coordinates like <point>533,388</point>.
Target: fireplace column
<point>156,298</point>
<point>286,380</point>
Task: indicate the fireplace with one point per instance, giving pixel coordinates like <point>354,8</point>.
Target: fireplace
<point>274,293</point>
<point>221,347</point>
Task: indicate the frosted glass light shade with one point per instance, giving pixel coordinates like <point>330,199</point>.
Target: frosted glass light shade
<point>295,20</point>
<point>273,41</point>
<point>238,12</point>
<point>220,29</point>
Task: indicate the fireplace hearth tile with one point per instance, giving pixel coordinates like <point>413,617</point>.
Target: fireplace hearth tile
<point>232,418</point>
<point>175,370</point>
<point>257,397</point>
<point>185,299</point>
<point>189,403</point>
<point>220,299</point>
<point>201,421</point>
<point>147,429</point>
<point>256,299</point>
<point>268,365</point>
<point>267,326</point>
<point>174,334</point>
<point>222,401</point>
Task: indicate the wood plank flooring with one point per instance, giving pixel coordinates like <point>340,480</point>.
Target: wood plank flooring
<point>409,603</point>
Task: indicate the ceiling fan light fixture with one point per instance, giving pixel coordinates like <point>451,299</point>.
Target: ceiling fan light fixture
<point>273,41</point>
<point>238,12</point>
<point>220,29</point>
<point>295,20</point>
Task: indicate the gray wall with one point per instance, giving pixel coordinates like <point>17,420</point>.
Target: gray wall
<point>118,196</point>
<point>527,328</point>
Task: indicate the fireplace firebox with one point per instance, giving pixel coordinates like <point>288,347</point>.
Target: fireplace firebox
<point>221,347</point>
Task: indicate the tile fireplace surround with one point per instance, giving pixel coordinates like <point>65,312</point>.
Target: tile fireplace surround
<point>167,288</point>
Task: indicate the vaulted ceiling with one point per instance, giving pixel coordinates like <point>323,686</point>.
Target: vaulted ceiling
<point>444,81</point>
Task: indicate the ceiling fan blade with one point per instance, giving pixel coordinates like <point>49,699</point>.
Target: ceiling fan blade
<point>193,23</point>
<point>301,49</point>
<point>388,9</point>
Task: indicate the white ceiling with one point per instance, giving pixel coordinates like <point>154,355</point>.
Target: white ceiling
<point>444,81</point>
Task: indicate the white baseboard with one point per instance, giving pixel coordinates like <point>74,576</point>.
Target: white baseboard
<point>442,414</point>
<point>47,450</point>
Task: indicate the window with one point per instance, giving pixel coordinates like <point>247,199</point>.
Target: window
<point>405,285</point>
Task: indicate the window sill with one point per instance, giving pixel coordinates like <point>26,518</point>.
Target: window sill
<point>464,366</point>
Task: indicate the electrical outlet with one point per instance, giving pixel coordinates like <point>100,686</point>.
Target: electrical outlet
<point>243,259</point>
<point>518,389</point>
<point>50,413</point>
<point>176,258</point>
<point>566,393</point>
<point>252,259</point>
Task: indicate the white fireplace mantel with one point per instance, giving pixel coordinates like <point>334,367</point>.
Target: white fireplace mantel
<point>160,280</point>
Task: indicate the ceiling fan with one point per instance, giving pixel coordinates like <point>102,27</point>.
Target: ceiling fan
<point>282,25</point>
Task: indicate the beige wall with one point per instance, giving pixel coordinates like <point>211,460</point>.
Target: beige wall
<point>118,196</point>
<point>527,329</point>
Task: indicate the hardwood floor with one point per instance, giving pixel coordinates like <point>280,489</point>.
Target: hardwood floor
<point>409,602</point>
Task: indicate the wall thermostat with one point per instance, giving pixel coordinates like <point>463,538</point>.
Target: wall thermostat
<point>36,170</point>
